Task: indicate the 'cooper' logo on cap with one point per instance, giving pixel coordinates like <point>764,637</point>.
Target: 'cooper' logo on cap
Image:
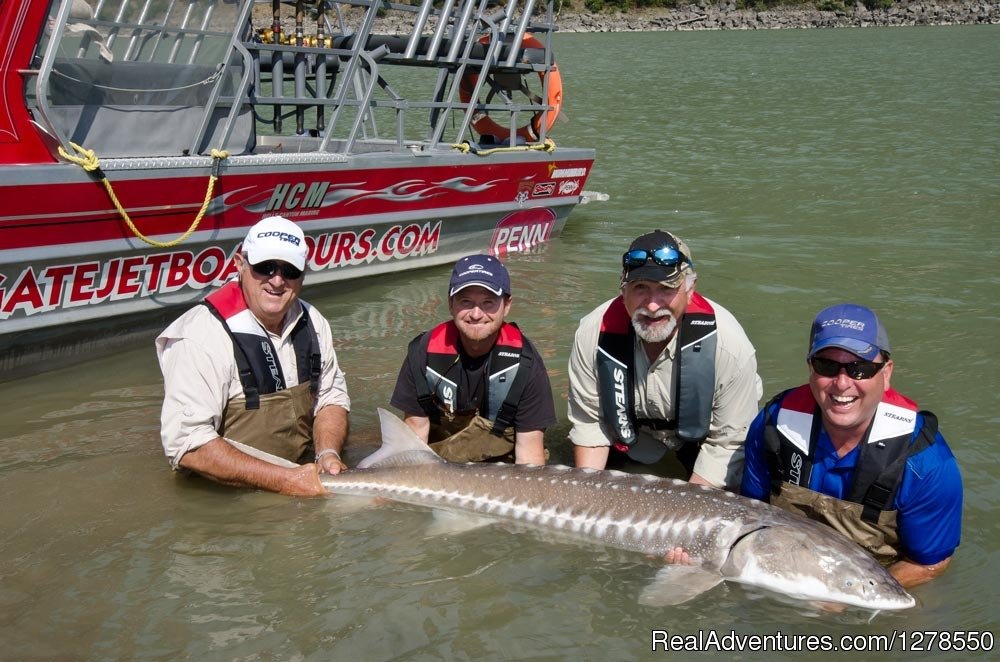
<point>281,236</point>
<point>855,325</point>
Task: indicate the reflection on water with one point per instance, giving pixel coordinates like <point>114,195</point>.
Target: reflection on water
<point>804,167</point>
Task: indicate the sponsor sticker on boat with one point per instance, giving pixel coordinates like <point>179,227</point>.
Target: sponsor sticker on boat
<point>543,189</point>
<point>522,230</point>
<point>569,187</point>
<point>566,173</point>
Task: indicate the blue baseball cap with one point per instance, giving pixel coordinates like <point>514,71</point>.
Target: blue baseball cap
<point>482,270</point>
<point>849,326</point>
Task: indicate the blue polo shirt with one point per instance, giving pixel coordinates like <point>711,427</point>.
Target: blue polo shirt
<point>928,501</point>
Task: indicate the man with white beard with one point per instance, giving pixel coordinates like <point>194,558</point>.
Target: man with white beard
<point>660,368</point>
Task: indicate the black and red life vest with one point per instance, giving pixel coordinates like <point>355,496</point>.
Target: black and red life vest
<point>432,354</point>
<point>698,333</point>
<point>256,357</point>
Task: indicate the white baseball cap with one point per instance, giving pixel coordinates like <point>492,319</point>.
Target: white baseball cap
<point>276,238</point>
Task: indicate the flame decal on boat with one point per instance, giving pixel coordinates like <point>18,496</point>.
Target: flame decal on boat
<point>408,191</point>
<point>319,195</point>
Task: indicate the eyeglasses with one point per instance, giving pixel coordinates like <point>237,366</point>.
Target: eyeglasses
<point>668,256</point>
<point>855,369</point>
<point>270,267</point>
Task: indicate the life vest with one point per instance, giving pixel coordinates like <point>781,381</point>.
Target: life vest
<point>256,358</point>
<point>432,354</point>
<point>698,334</point>
<point>790,438</point>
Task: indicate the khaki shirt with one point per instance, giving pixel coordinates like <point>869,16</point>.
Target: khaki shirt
<point>737,393</point>
<point>200,376</point>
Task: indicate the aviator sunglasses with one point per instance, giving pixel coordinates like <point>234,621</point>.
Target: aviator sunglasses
<point>270,267</point>
<point>668,256</point>
<point>855,369</point>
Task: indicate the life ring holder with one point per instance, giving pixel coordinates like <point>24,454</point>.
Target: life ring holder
<point>485,125</point>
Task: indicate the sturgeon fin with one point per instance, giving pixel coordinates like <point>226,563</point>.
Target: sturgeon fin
<point>448,522</point>
<point>676,584</point>
<point>261,455</point>
<point>348,504</point>
<point>400,446</point>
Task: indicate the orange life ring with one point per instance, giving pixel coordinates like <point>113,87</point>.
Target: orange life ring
<point>485,126</point>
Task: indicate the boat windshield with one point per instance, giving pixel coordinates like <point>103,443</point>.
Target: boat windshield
<point>130,78</point>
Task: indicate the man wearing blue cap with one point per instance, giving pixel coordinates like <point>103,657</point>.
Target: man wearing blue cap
<point>474,387</point>
<point>848,450</point>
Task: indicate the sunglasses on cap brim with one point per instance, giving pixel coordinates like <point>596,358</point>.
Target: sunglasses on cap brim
<point>668,257</point>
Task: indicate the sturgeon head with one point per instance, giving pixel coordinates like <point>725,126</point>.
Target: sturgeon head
<point>807,560</point>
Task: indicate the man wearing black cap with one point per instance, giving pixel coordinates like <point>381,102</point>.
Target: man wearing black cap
<point>474,387</point>
<point>660,368</point>
<point>849,451</point>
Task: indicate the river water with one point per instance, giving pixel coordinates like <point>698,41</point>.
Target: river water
<point>803,168</point>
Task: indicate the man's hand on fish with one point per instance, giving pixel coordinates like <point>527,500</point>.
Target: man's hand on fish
<point>677,556</point>
<point>303,481</point>
<point>331,464</point>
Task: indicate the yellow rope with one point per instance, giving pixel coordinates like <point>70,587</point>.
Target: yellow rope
<point>90,163</point>
<point>548,145</point>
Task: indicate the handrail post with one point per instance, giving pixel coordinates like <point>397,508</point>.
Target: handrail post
<point>277,63</point>
<point>515,45</point>
<point>360,41</point>
<point>251,73</point>
<point>418,27</point>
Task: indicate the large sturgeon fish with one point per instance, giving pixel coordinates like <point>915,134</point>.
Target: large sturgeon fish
<point>728,537</point>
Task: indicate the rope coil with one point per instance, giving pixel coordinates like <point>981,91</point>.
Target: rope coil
<point>548,145</point>
<point>90,163</point>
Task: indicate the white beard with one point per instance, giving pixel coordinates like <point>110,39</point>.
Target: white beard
<point>659,333</point>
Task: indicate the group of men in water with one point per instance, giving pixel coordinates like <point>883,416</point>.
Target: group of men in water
<point>661,379</point>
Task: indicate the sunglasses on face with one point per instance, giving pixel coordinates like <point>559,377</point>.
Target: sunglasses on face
<point>271,267</point>
<point>854,369</point>
<point>668,256</point>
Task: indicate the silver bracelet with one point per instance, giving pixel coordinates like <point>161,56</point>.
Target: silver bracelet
<point>328,451</point>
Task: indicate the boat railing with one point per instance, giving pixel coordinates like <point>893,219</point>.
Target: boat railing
<point>172,78</point>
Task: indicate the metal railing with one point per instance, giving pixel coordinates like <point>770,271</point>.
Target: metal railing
<point>356,75</point>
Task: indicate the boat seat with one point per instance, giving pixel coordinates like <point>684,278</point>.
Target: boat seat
<point>132,109</point>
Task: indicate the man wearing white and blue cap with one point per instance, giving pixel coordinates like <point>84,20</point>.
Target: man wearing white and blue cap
<point>253,369</point>
<point>474,387</point>
<point>848,450</point>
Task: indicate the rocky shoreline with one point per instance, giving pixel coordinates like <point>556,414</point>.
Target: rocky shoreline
<point>724,15</point>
